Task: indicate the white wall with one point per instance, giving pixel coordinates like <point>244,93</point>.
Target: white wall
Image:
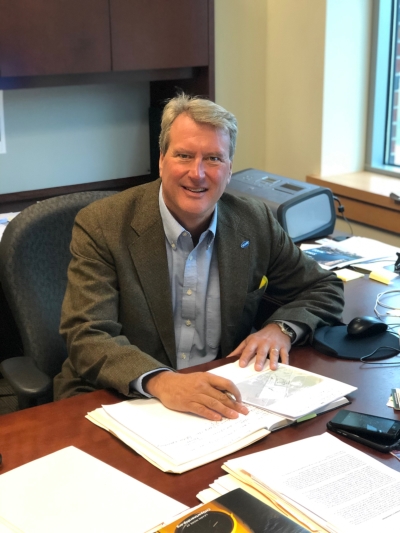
<point>60,136</point>
<point>295,77</point>
<point>295,73</point>
<point>345,90</point>
<point>240,60</point>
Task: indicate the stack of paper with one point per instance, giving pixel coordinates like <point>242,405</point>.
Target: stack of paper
<point>325,481</point>
<point>177,442</point>
<point>71,491</point>
<point>331,254</point>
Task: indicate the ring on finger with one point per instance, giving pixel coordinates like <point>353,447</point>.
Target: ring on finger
<point>274,350</point>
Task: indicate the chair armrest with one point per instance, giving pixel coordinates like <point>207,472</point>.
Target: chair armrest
<point>25,378</point>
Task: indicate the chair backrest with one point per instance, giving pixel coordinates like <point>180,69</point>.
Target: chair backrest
<point>34,258</point>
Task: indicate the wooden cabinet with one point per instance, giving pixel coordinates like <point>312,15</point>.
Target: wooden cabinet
<point>154,34</point>
<point>47,37</point>
<point>50,37</point>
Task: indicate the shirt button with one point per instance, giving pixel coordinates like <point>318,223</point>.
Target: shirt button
<point>189,292</point>
<point>184,234</point>
<point>183,356</point>
<point>190,257</point>
<point>173,245</point>
<point>188,323</point>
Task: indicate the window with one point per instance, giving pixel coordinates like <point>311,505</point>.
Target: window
<point>383,154</point>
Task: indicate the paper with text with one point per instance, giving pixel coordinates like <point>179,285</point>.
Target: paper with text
<point>184,436</point>
<point>348,491</point>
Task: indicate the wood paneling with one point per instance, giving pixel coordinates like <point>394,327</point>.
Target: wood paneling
<point>159,34</point>
<point>366,198</point>
<point>43,37</point>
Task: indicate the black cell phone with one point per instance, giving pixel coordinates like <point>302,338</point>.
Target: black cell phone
<point>378,432</point>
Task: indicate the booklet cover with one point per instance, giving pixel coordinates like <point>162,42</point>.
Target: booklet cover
<point>329,257</point>
<point>234,512</point>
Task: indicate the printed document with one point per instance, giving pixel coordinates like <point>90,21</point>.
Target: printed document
<point>341,488</point>
<point>176,442</point>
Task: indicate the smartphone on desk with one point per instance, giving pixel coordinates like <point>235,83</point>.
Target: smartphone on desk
<point>380,433</point>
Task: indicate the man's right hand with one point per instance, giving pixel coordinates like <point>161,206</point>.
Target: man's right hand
<point>201,393</point>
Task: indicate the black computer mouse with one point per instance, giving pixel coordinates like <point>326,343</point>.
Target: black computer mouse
<point>365,326</point>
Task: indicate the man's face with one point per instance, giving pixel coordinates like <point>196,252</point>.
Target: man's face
<point>195,171</point>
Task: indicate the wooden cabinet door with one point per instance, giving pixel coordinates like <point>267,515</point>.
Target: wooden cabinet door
<point>155,34</point>
<point>41,37</point>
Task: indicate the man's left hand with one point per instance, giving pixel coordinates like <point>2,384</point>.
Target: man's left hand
<point>269,341</point>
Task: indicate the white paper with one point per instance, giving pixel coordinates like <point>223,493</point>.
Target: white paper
<point>5,218</point>
<point>71,491</point>
<point>347,489</point>
<point>184,436</point>
<point>288,391</point>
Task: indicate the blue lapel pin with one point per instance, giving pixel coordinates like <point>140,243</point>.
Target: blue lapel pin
<point>244,244</point>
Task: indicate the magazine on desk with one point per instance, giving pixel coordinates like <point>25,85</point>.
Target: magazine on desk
<point>234,512</point>
<point>330,254</point>
<point>177,442</point>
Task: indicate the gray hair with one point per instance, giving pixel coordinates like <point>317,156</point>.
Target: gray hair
<point>202,111</point>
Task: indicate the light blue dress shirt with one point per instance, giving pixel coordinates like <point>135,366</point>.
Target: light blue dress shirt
<point>194,280</point>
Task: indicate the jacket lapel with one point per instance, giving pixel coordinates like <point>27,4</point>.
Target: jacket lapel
<point>149,256</point>
<point>233,248</point>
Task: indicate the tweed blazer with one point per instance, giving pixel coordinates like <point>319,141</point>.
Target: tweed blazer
<point>117,314</point>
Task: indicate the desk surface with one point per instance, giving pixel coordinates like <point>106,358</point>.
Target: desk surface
<point>35,432</point>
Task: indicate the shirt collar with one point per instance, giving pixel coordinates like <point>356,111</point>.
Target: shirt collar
<point>173,229</point>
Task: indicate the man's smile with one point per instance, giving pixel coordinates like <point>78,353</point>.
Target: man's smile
<point>192,189</point>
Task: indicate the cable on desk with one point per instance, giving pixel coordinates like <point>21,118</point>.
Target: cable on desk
<point>396,352</point>
<point>341,211</point>
<point>393,311</point>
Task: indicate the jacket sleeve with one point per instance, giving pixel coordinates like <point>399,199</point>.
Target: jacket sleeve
<point>305,293</point>
<point>101,349</point>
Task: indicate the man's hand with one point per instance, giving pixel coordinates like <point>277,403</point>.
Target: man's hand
<point>203,394</point>
<point>268,341</point>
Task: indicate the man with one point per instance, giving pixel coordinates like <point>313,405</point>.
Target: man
<point>170,274</point>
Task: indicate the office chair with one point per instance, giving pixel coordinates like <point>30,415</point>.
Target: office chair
<point>34,258</point>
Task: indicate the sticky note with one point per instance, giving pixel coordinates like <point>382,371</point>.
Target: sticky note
<point>345,274</point>
<point>383,276</point>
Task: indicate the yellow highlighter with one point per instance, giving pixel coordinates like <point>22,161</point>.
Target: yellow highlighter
<point>264,281</point>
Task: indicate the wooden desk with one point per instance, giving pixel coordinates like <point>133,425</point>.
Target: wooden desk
<point>35,432</point>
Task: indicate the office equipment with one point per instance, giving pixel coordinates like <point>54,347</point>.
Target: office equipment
<point>365,326</point>
<point>380,433</point>
<point>336,342</point>
<point>34,257</point>
<point>304,211</point>
<point>177,442</point>
<point>71,491</point>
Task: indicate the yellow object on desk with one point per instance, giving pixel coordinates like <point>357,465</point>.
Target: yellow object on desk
<point>384,276</point>
<point>345,274</point>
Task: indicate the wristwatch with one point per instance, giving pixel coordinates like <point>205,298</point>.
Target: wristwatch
<point>287,330</point>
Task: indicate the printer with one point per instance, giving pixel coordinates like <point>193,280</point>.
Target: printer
<point>305,211</point>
